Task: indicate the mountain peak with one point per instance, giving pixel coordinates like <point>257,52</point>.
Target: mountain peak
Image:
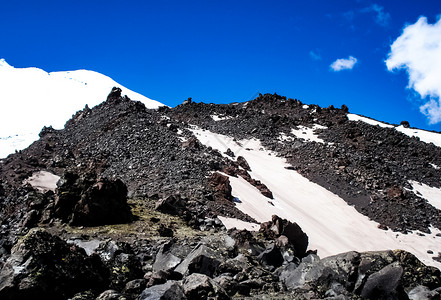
<point>4,64</point>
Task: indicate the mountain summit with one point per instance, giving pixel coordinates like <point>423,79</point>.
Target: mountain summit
<point>32,98</point>
<point>266,198</point>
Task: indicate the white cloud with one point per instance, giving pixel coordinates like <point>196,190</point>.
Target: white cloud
<point>418,51</point>
<point>315,55</point>
<point>343,64</point>
<point>381,17</point>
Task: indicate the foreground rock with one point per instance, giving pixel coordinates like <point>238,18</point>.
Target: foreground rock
<point>370,275</point>
<point>45,266</point>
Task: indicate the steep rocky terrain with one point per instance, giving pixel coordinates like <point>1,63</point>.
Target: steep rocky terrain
<point>136,206</point>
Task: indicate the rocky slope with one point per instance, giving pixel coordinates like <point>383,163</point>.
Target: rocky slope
<point>135,209</point>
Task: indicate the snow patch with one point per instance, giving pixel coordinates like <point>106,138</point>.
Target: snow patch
<point>423,135</point>
<point>88,246</point>
<point>305,106</point>
<point>332,225</point>
<point>232,222</point>
<point>43,181</point>
<point>305,133</point>
<point>220,118</point>
<point>353,117</point>
<point>435,166</point>
<point>431,194</point>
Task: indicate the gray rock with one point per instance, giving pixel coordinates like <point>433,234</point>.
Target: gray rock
<point>339,268</point>
<point>171,290</point>
<point>385,284</point>
<point>271,256</point>
<point>110,295</point>
<point>200,286</point>
<point>228,284</point>
<point>200,260</point>
<point>165,260</point>
<point>135,286</point>
<point>422,292</point>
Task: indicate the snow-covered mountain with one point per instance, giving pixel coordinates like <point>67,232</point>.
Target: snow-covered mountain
<point>31,98</point>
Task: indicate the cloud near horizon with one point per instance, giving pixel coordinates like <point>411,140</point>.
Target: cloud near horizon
<point>418,51</point>
<point>343,64</point>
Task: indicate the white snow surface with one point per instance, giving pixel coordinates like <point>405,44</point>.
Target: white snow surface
<point>353,117</point>
<point>431,194</point>
<point>220,118</point>
<point>43,181</point>
<point>31,98</point>
<point>424,135</point>
<point>332,225</point>
<point>308,134</point>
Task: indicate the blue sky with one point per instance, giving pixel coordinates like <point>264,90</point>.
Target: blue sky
<point>226,51</point>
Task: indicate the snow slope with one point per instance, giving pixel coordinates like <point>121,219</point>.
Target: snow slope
<point>31,98</point>
<point>331,224</point>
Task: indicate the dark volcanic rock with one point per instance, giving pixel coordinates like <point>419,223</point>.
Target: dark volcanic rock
<point>200,286</point>
<point>171,290</point>
<point>44,265</point>
<point>200,260</point>
<point>385,284</point>
<point>278,227</point>
<point>221,186</point>
<point>86,202</point>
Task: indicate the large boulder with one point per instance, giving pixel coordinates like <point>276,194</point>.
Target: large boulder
<point>281,227</point>
<point>86,201</point>
<point>44,265</point>
<point>171,290</point>
<point>200,286</point>
<point>385,284</point>
<point>200,260</point>
<point>221,186</point>
<point>165,260</point>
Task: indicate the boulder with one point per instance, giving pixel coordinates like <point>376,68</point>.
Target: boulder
<point>171,290</point>
<point>221,186</point>
<point>200,286</point>
<point>43,264</point>
<point>271,256</point>
<point>385,284</point>
<point>200,260</point>
<point>85,201</point>
<point>243,163</point>
<point>165,260</point>
<point>135,286</point>
<point>422,292</point>
<point>295,235</point>
<point>172,205</point>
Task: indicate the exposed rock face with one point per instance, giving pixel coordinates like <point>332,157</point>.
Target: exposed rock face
<point>86,202</point>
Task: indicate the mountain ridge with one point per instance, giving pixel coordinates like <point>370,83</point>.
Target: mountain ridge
<point>168,167</point>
